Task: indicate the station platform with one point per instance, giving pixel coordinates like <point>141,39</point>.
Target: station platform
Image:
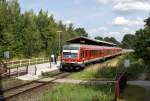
<point>35,71</point>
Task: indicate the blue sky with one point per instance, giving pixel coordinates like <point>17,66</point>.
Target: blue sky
<point>99,17</point>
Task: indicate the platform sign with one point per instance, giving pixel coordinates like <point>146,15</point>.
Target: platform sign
<point>126,63</point>
<point>7,54</point>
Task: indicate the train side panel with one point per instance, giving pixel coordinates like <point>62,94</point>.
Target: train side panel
<point>86,54</point>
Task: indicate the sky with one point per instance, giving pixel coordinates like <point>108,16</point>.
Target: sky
<point>105,18</point>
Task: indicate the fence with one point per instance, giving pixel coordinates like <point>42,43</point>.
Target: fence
<point>20,67</point>
<point>121,81</point>
<point>15,72</point>
<point>26,62</point>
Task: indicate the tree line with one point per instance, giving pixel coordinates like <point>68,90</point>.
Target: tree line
<point>139,42</point>
<point>29,34</point>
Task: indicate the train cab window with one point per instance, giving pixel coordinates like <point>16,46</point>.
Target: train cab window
<point>70,55</point>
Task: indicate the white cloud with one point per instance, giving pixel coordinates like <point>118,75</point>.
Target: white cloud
<point>68,22</point>
<point>125,22</point>
<point>127,30</point>
<point>132,6</point>
<point>127,5</point>
<point>120,1</point>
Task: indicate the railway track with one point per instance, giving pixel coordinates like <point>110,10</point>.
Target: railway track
<point>18,90</point>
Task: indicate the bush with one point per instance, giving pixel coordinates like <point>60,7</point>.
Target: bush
<point>108,72</point>
<point>135,70</point>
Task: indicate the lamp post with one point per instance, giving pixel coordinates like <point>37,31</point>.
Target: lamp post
<point>59,41</point>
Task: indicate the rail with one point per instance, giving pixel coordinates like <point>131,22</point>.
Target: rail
<point>28,87</point>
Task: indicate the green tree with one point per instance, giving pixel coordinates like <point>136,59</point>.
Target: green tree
<point>31,36</point>
<point>28,34</point>
<point>81,32</point>
<point>45,27</point>
<point>112,40</point>
<point>99,38</point>
<point>142,42</point>
<point>128,41</point>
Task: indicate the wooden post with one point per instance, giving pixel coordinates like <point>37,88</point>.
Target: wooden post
<point>27,69</point>
<point>35,70</point>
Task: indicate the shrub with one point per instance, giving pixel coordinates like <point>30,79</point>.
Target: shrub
<point>135,70</point>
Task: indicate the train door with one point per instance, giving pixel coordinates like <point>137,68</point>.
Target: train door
<point>86,54</point>
<point>82,55</point>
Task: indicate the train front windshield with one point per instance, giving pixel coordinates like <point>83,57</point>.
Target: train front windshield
<point>70,55</point>
<point>70,51</point>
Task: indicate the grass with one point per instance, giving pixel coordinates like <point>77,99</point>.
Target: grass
<point>70,92</point>
<point>133,93</point>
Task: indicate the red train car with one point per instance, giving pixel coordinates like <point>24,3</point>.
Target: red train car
<point>78,55</point>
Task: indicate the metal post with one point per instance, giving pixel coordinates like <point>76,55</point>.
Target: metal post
<point>35,70</point>
<point>49,61</point>
<point>59,42</point>
<point>27,69</point>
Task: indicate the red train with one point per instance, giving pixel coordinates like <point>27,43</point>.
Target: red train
<point>76,56</point>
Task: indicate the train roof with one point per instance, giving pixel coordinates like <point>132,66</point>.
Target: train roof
<point>77,46</point>
<point>88,41</point>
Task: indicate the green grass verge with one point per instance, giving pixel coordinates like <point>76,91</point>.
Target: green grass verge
<point>108,72</point>
<point>133,93</point>
<point>83,75</point>
<point>104,72</point>
<point>75,92</point>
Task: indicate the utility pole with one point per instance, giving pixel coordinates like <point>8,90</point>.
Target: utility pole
<point>59,42</point>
